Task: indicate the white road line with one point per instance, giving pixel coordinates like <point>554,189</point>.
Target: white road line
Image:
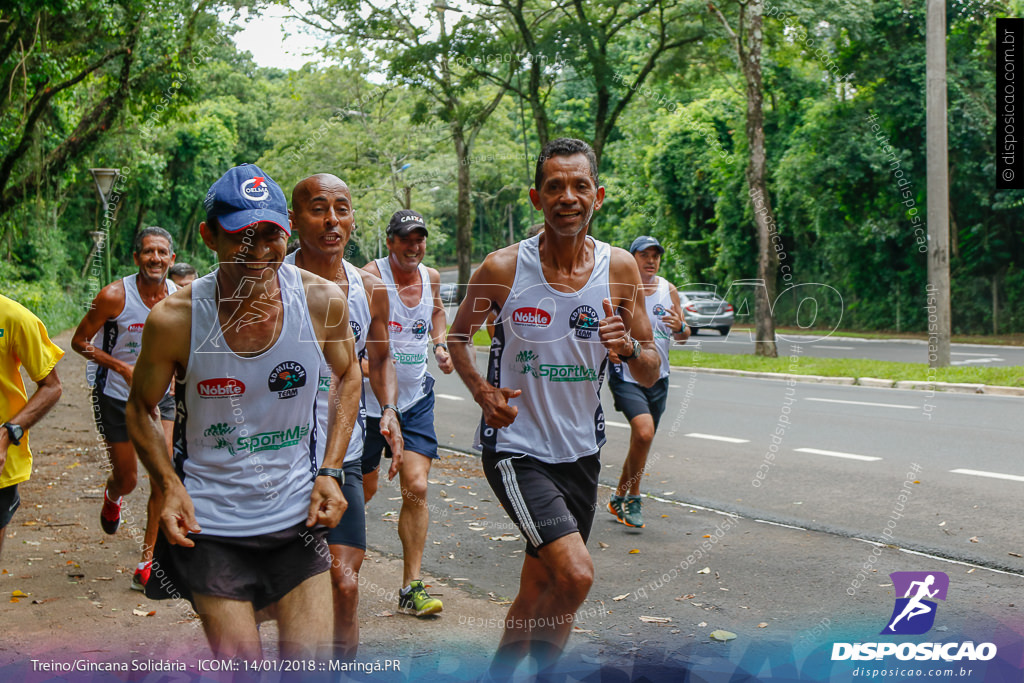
<point>450,397</point>
<point>620,425</point>
<point>675,386</point>
<point>982,355</point>
<point>712,437</point>
<point>992,475</point>
<point>837,454</point>
<point>863,403</point>
<point>838,348</point>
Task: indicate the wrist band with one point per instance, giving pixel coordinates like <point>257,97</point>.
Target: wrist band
<point>398,413</point>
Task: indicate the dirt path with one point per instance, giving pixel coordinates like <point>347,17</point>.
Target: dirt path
<point>64,584</point>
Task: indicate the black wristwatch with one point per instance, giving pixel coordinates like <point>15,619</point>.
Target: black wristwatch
<point>398,413</point>
<point>636,351</point>
<point>15,432</point>
<point>441,345</point>
<point>335,472</point>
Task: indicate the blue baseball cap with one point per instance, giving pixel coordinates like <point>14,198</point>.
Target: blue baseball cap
<point>645,242</point>
<point>244,196</point>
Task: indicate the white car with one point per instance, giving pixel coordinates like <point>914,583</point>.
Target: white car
<point>706,309</point>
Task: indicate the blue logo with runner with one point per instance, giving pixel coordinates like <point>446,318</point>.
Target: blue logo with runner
<point>914,613</point>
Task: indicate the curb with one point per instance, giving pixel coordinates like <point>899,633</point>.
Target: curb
<point>872,382</point>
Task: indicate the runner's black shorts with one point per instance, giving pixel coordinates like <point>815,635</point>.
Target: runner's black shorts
<point>351,530</point>
<point>546,501</point>
<point>632,399</point>
<point>257,569</point>
<point>109,414</point>
<point>9,503</point>
<point>417,432</point>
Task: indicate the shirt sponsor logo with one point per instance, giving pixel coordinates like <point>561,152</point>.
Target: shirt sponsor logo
<point>394,326</point>
<point>136,327</point>
<point>419,328</point>
<point>325,383</point>
<point>357,329</point>
<point>584,321</point>
<point>531,317</point>
<point>527,361</point>
<point>568,373</point>
<point>410,358</point>
<point>659,310</point>
<point>255,189</point>
<point>220,387</point>
<point>273,441</point>
<point>286,379</point>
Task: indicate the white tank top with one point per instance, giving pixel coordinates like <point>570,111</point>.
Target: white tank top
<point>658,304</point>
<point>245,429</point>
<point>359,321</point>
<point>546,343</point>
<point>409,329</point>
<point>121,337</point>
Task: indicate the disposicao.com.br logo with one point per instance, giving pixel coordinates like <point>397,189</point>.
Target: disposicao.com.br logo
<point>914,614</point>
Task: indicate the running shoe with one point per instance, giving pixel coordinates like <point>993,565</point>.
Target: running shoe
<point>110,515</point>
<point>414,600</point>
<point>633,517</point>
<point>141,577</point>
<point>615,507</point>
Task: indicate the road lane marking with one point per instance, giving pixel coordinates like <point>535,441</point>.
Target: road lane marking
<point>450,397</point>
<point>837,454</point>
<point>713,437</point>
<point>837,348</point>
<point>620,425</point>
<point>991,475</point>
<point>863,403</point>
<point>980,355</point>
<point>990,359</point>
<point>675,386</point>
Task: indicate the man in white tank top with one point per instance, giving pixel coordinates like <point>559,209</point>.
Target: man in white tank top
<point>547,362</point>
<point>323,218</point>
<point>246,503</point>
<point>110,336</point>
<point>643,406</point>
<point>417,320</point>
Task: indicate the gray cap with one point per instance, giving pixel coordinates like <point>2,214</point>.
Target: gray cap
<point>645,242</point>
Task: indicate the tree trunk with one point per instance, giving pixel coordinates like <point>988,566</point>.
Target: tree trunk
<point>464,218</point>
<point>764,217</point>
<point>995,304</point>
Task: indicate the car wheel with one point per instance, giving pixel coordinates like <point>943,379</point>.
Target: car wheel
<point>724,330</point>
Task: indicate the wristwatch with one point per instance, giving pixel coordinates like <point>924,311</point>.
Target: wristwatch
<point>398,413</point>
<point>636,351</point>
<point>441,345</point>
<point>15,432</point>
<point>335,472</point>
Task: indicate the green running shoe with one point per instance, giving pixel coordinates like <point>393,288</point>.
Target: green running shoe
<point>415,600</point>
<point>615,507</point>
<point>633,517</point>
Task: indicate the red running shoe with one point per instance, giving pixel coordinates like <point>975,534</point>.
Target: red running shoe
<point>110,515</point>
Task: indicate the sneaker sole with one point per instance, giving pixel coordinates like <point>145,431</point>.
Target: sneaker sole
<point>109,528</point>
<point>412,611</point>
<point>612,510</point>
<point>138,587</point>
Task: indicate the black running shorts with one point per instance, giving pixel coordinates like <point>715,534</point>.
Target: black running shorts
<point>109,414</point>
<point>258,569</point>
<point>632,399</point>
<point>546,501</point>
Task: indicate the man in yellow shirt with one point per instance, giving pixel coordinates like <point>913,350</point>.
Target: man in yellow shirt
<point>23,341</point>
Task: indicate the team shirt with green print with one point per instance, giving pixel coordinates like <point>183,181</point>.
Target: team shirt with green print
<point>546,343</point>
<point>245,432</point>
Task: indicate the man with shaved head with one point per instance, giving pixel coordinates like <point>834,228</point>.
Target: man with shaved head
<point>323,217</point>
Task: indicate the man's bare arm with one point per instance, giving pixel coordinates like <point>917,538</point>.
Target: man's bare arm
<point>488,290</point>
<point>165,349</point>
<point>439,324</point>
<point>328,309</point>
<point>383,380</point>
<point>108,304</point>
<point>620,323</point>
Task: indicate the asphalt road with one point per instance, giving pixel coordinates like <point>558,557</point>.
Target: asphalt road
<point>832,458</point>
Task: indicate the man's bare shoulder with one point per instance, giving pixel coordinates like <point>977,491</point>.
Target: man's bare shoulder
<point>623,265</point>
<point>110,299</point>
<point>499,267</point>
<point>318,290</point>
<point>370,281</point>
<point>372,268</point>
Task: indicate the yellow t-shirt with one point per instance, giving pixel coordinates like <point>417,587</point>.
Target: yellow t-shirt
<point>23,341</point>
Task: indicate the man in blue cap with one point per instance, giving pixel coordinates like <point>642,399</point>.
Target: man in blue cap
<point>644,406</point>
<point>246,502</point>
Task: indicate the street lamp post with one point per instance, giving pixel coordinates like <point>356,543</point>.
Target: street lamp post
<point>104,179</point>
